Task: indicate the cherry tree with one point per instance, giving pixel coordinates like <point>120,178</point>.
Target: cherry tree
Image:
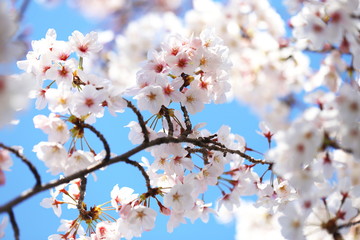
<point>305,185</point>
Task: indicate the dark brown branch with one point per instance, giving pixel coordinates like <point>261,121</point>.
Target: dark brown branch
<point>14,224</point>
<point>122,158</point>
<point>141,169</point>
<point>167,117</point>
<point>140,119</point>
<point>82,192</point>
<point>102,139</point>
<point>347,225</point>
<point>27,162</point>
<point>187,121</point>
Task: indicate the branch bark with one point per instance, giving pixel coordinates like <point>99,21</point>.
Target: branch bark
<point>27,162</point>
<point>140,119</point>
<point>123,158</point>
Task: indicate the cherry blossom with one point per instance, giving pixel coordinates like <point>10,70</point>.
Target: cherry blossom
<point>3,225</point>
<point>180,197</point>
<point>304,183</point>
<point>52,203</point>
<point>84,45</point>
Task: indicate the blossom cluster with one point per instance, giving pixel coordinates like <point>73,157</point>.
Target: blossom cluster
<point>313,189</point>
<point>189,71</point>
<point>63,84</point>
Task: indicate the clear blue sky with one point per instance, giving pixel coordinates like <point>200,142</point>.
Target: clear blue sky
<point>37,223</point>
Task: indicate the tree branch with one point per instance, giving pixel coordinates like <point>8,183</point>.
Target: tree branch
<point>140,119</point>
<point>14,224</point>
<point>167,117</point>
<point>141,169</point>
<point>82,193</point>
<point>27,162</point>
<point>350,224</point>
<point>187,121</point>
<point>123,158</point>
<point>102,139</point>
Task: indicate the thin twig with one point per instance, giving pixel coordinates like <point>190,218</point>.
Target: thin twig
<point>141,169</point>
<point>140,119</point>
<point>102,139</point>
<point>350,224</point>
<point>167,117</point>
<point>27,162</point>
<point>82,192</point>
<point>187,121</point>
<point>14,224</point>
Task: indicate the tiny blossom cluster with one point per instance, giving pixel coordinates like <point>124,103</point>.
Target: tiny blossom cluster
<point>264,61</point>
<point>64,84</point>
<point>124,60</point>
<point>317,147</point>
<point>191,71</point>
<point>320,25</point>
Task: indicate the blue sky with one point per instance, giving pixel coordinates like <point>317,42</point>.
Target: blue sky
<point>36,222</point>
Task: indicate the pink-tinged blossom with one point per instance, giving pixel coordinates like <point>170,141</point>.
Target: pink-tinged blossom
<point>249,218</point>
<point>341,20</point>
<point>265,131</point>
<point>53,126</point>
<point>5,160</point>
<point>72,194</point>
<point>230,200</point>
<point>156,63</point>
<point>182,63</point>
<point>194,100</point>
<point>151,98</point>
<point>61,51</point>
<point>200,210</point>
<point>62,73</point>
<point>136,135</point>
<point>71,229</point>
<point>54,155</point>
<point>122,196</point>
<point>179,161</point>
<point>3,225</point>
<point>114,101</point>
<point>52,202</point>
<point>348,104</point>
<point>106,231</point>
<point>296,147</point>
<point>78,160</point>
<point>208,176</point>
<point>59,99</point>
<point>142,218</point>
<point>179,198</point>
<point>335,210</point>
<point>85,45</point>
<point>88,101</point>
<point>175,219</point>
<point>41,100</point>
